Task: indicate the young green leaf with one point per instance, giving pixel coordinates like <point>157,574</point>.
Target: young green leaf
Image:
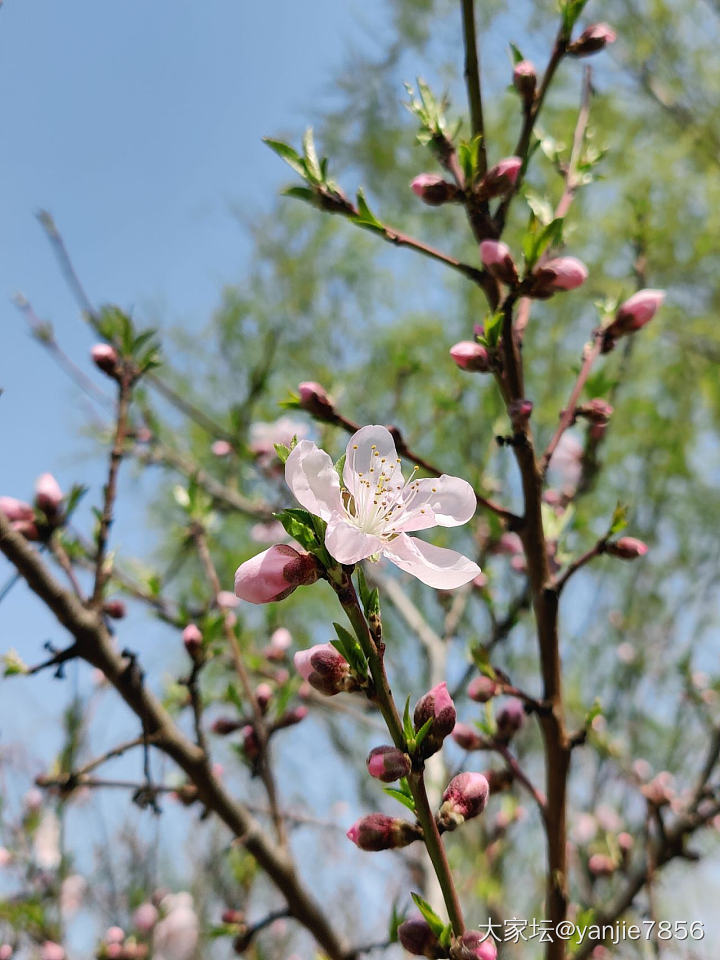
<point>433,920</point>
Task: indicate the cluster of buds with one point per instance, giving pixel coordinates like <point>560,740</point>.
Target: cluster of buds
<point>388,764</point>
<point>433,190</point>
<point>500,179</point>
<point>592,40</point>
<point>275,573</point>
<point>377,831</point>
<point>471,356</point>
<point>555,275</point>
<point>436,705</point>
<point>627,548</point>
<point>116,946</point>
<point>631,316</point>
<point>315,399</point>
<point>465,797</point>
<point>38,521</point>
<point>325,669</point>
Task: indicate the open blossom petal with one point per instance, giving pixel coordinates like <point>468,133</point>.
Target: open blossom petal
<point>441,501</point>
<point>435,566</point>
<point>370,455</point>
<point>311,475</point>
<point>348,544</point>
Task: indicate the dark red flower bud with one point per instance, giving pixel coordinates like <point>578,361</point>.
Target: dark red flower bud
<point>233,916</point>
<point>415,934</point>
<point>473,945</point>
<point>251,744</point>
<point>193,641</point>
<point>465,797</point>
<point>324,668</point>
<point>314,398</point>
<point>510,719</point>
<point>436,705</point>
<point>223,726</point>
<point>105,358</point>
<point>114,609</point>
<point>500,179</point>
<point>591,40</point>
<point>380,832</point>
<point>467,737</point>
<point>48,495</point>
<point>433,190</point>
<point>388,764</point>
<point>497,260</point>
<point>525,80</point>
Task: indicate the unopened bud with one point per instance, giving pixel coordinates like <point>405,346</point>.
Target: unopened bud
<point>465,797</point>
<point>500,179</point>
<point>416,935</point>
<point>221,448</point>
<point>250,744</point>
<point>145,917</point>
<point>525,80</point>
<point>627,548</point>
<point>436,705</point>
<point>510,719</point>
<point>388,764</point>
<point>467,737</point>
<point>6,951</point>
<point>601,865</point>
<point>263,695</point>
<point>497,260</point>
<point>314,398</point>
<point>21,516</point>
<point>598,411</point>
<point>274,574</point>
<point>470,356</point>
<point>291,717</point>
<point>324,668</point>
<point>591,40</point>
<point>562,273</point>
<point>233,916</point>
<point>481,689</point>
<point>105,357</point>
<point>48,495</point>
<point>632,315</point>
<point>223,726</point>
<point>193,640</point>
<point>473,945</point>
<point>52,951</point>
<point>433,190</point>
<point>626,841</point>
<point>380,832</point>
<point>114,609</point>
<point>520,412</point>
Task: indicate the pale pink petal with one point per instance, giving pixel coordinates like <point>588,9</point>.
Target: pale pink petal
<point>310,474</point>
<point>347,544</point>
<point>442,501</point>
<point>435,566</point>
<point>370,452</point>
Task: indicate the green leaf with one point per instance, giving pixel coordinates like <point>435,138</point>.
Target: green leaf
<point>299,525</point>
<point>408,728</point>
<point>433,920</point>
<point>517,56</point>
<point>366,218</point>
<point>493,327</point>
<point>339,465</point>
<point>619,519</point>
<point>282,451</point>
<point>286,152</point>
<point>311,158</point>
<point>540,206</point>
<point>396,918</point>
<point>13,664</point>
<point>423,732</point>
<point>350,649</point>
<point>307,194</point>
<point>400,797</point>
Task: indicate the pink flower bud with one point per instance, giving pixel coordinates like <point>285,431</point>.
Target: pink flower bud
<point>510,544</point>
<point>291,717</point>
<point>481,689</point>
<point>416,936</point>
<point>233,916</point>
<point>21,516</point>
<point>274,574</point>
<point>467,737</point>
<point>48,495</point>
<point>388,764</point>
<point>465,797</point>
<point>626,841</point>
<point>436,705</point>
<point>594,38</point>
<point>114,609</point>
<point>380,832</point>
<point>601,865</point>
<point>314,398</point>
<point>471,356</point>
<point>501,178</point>
<point>6,951</point>
<point>597,411</point>
<point>324,668</point>
<point>145,917</point>
<point>263,695</point>
<point>51,951</point>
<point>220,448</point>
<point>633,314</point>
<point>193,639</point>
<point>525,80</point>
<point>433,190</point>
<point>115,935</point>
<point>474,945</point>
<point>498,261</point>
<point>510,719</point>
<point>627,548</point>
<point>281,638</point>
<point>105,357</point>
<point>562,273</point>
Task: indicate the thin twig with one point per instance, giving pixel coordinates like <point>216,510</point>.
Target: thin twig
<point>472,81</point>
